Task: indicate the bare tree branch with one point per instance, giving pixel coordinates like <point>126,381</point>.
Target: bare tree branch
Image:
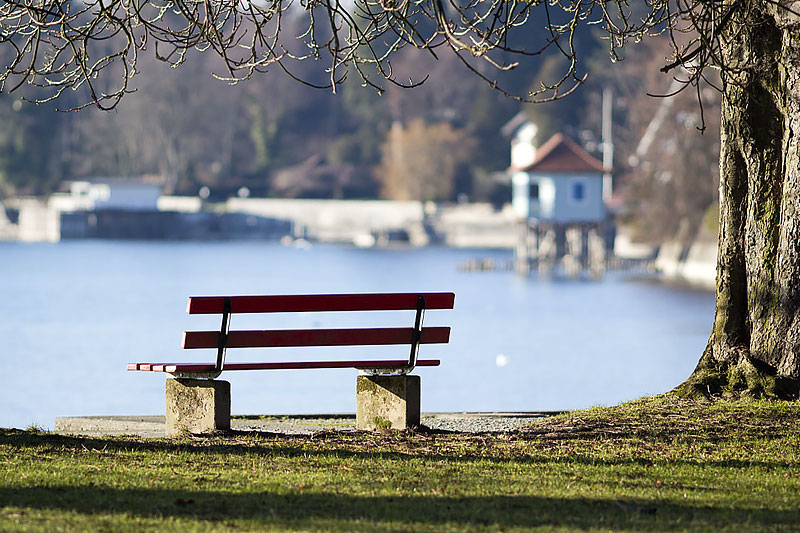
<point>94,45</point>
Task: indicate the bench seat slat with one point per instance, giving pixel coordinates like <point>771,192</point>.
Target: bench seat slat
<point>314,337</point>
<point>319,302</point>
<point>206,367</point>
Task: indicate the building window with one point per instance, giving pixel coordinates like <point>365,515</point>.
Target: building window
<point>578,190</point>
<point>533,191</point>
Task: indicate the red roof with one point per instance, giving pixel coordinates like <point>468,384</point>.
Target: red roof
<point>562,154</point>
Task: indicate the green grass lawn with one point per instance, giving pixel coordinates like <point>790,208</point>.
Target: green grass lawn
<point>655,464</point>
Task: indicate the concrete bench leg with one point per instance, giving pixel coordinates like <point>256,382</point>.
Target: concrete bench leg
<point>384,402</point>
<point>198,406</point>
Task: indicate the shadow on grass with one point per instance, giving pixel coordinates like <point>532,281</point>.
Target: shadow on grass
<point>309,510</point>
<point>332,444</point>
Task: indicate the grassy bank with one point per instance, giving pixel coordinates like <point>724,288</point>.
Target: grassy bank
<point>655,464</point>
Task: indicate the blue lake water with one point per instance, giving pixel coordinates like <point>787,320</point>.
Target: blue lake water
<point>73,314</point>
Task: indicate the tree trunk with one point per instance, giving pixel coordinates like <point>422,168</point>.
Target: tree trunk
<point>754,347</point>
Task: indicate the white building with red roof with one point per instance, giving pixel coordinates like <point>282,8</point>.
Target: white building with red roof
<point>563,185</point>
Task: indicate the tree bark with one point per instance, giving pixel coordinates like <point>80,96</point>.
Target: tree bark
<point>754,347</point>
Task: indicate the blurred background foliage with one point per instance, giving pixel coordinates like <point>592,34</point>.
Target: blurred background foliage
<point>442,141</point>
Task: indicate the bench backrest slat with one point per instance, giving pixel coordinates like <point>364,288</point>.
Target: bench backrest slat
<point>319,302</point>
<point>315,337</point>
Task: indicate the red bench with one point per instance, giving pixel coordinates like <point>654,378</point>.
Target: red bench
<point>226,338</point>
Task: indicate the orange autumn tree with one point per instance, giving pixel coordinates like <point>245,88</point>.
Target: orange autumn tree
<point>420,161</point>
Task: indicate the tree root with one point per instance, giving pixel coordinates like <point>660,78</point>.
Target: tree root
<point>739,376</point>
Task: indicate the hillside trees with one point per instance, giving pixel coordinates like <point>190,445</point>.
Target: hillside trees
<point>30,147</point>
<point>175,128</point>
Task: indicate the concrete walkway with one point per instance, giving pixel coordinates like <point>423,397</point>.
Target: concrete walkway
<point>153,426</point>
